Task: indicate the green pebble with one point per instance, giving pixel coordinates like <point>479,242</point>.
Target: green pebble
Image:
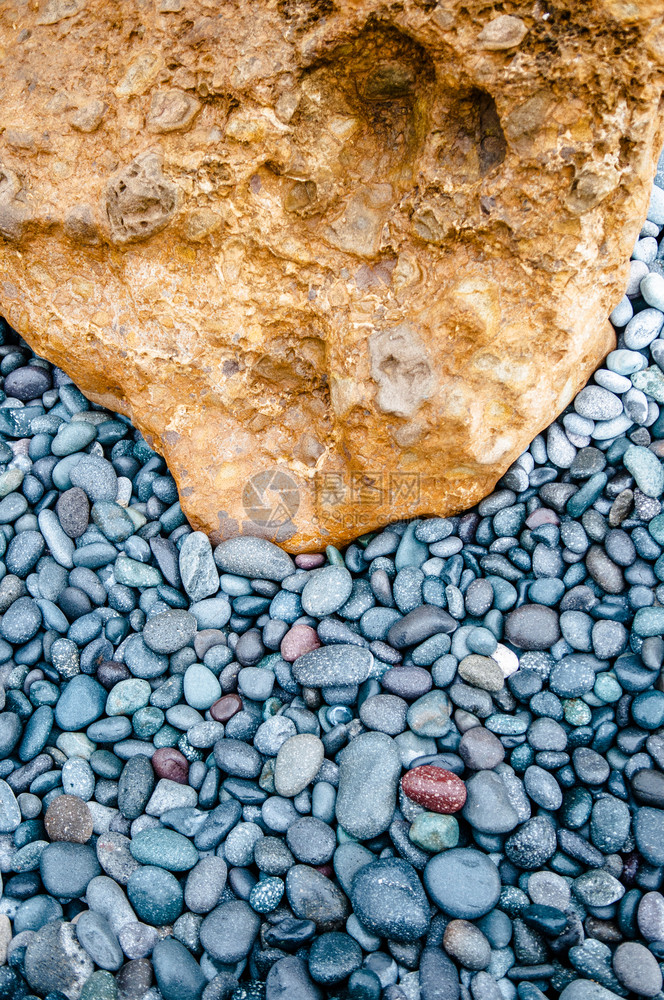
<point>147,721</point>
<point>72,438</point>
<point>651,381</point>
<point>646,469</point>
<point>112,520</point>
<point>607,688</point>
<point>132,573</point>
<point>164,848</point>
<point>166,737</point>
<point>156,895</point>
<point>430,714</point>
<point>334,557</point>
<point>576,712</point>
<point>434,831</point>
<point>649,621</point>
<point>10,481</point>
<point>100,986</point>
<point>126,697</point>
<point>75,745</point>
<point>585,496</point>
<point>656,529</point>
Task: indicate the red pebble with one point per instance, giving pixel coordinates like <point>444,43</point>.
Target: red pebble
<point>298,640</point>
<point>226,707</point>
<point>326,870</point>
<point>434,788</point>
<point>167,762</point>
<point>309,560</point>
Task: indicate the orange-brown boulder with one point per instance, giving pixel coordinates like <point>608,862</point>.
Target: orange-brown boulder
<point>340,260</point>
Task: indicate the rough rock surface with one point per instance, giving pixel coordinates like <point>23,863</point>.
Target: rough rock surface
<point>339,261</point>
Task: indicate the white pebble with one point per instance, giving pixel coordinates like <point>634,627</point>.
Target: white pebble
<point>637,272</point>
<point>612,381</point>
<point>622,313</point>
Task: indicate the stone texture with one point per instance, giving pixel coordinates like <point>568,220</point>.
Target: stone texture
<point>320,251</point>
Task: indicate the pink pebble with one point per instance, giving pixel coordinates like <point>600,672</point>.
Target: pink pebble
<point>309,560</point>
<point>542,516</point>
<point>298,640</point>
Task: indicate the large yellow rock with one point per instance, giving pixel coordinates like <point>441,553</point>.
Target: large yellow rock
<point>340,261</point>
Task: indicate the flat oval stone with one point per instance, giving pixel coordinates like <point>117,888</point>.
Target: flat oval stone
<point>313,896</point>
<point>127,697</point>
<point>238,758</point>
<point>332,665</point>
<point>532,626</point>
<point>155,894</point>
<point>637,969</point>
<point>226,708</point>
<point>488,808</point>
<point>169,631</point>
<point>201,687</point>
<point>649,834</point>
<point>598,888</point>
<point>434,832</point>
<point>573,676</point>
<point>96,935</point>
<point>228,933</point>
<point>82,701</point>
<point>255,558</point>
<point>482,672</point>
<point>369,769</point>
<point>21,621</point>
<point>178,974</point>
<point>326,590</point>
<point>164,848</point>
<point>463,882</point>
<point>430,714</point>
<point>434,788</point>
<point>389,900</point>
<point>297,764</point>
<point>299,639</point>
<point>66,869</point>
<point>168,762</point>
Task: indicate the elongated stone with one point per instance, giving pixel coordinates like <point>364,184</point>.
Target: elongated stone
<point>330,665</point>
<point>368,777</point>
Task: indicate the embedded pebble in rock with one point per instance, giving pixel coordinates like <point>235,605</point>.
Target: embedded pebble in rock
<point>426,767</point>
